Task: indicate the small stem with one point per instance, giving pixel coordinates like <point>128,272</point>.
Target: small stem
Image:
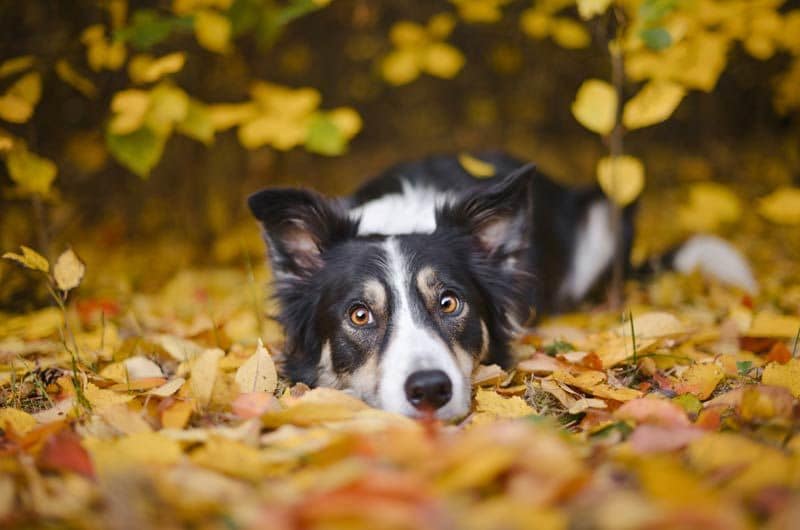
<point>41,230</point>
<point>616,149</point>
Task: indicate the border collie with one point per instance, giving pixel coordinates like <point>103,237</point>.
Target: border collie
<point>397,292</point>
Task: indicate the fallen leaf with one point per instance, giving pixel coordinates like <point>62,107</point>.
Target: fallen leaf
<point>254,404</point>
<point>653,411</point>
<point>258,373</point>
<point>139,367</point>
<point>700,380</point>
<point>491,402</point>
<point>593,382</point>
<point>204,374</point>
<point>771,325</point>
<point>783,375</point>
<point>659,439</point>
<point>17,421</point>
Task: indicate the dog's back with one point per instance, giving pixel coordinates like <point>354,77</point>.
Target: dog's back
<point>571,241</point>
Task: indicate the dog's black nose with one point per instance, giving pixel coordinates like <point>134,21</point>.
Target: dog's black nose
<point>428,389</point>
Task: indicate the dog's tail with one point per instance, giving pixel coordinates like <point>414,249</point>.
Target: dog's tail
<point>711,256</point>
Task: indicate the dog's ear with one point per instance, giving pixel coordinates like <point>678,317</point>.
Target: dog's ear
<point>498,216</point>
<point>299,226</point>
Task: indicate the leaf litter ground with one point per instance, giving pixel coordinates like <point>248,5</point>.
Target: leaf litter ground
<point>163,409</point>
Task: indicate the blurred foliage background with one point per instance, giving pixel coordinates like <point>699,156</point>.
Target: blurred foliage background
<point>133,131</point>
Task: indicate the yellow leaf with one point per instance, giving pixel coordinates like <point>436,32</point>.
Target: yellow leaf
<point>535,23</point>
<point>784,375</point>
<point>18,102</point>
<point>258,373</point>
<point>177,415</point>
<point>168,106</point>
<point>593,382</point>
<point>751,466</point>
<point>493,403</point>
<point>710,205</point>
<point>31,172</point>
<point>406,34</point>
<point>30,259</point>
<point>146,68</point>
<point>656,324</point>
<point>621,178</point>
<point>230,457</point>
<point>68,271</point>
<point>16,65</point>
<point>129,108</point>
<point>70,76</point>
<point>34,325</point>
<point>595,106</point>
<point>226,115</point>
<point>569,34</point>
<point>589,8</point>
<point>347,120</point>
<point>771,325</point>
<point>320,405</point>
<point>100,398</point>
<point>441,25</point>
<point>213,30</point>
<point>475,166</point>
<point>204,374</point>
<point>443,60</point>
<point>17,421</point>
<point>782,206</point>
<point>701,380</point>
<point>400,67</point>
<point>485,11</point>
<point>654,103</point>
<point>132,451</point>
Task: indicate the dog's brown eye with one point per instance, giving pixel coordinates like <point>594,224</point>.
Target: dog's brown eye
<point>449,302</point>
<point>360,315</point>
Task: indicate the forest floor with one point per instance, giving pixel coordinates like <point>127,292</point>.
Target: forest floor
<point>135,407</point>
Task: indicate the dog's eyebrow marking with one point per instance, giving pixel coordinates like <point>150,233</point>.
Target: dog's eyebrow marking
<point>375,294</point>
<point>426,283</point>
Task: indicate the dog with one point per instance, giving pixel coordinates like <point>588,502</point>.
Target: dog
<point>397,292</point>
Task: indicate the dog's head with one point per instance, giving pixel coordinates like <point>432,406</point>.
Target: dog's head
<point>402,320</point>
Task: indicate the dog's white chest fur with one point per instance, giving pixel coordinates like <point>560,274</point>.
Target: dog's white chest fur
<point>411,212</point>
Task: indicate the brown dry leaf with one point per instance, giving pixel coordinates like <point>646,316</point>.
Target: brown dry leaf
<point>258,373</point>
<point>487,375</point>
<point>593,382</point>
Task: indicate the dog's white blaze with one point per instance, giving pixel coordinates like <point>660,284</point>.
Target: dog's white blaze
<point>412,211</point>
<point>715,257</point>
<point>413,347</point>
<point>594,250</point>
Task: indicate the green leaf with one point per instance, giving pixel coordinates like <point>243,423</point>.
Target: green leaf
<point>244,15</point>
<point>743,367</point>
<point>324,137</point>
<point>149,28</point>
<point>558,346</point>
<point>656,38</point>
<point>197,123</point>
<point>138,151</point>
<point>652,11</point>
<point>689,403</point>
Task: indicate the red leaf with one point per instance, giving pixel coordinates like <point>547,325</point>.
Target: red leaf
<point>63,452</point>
